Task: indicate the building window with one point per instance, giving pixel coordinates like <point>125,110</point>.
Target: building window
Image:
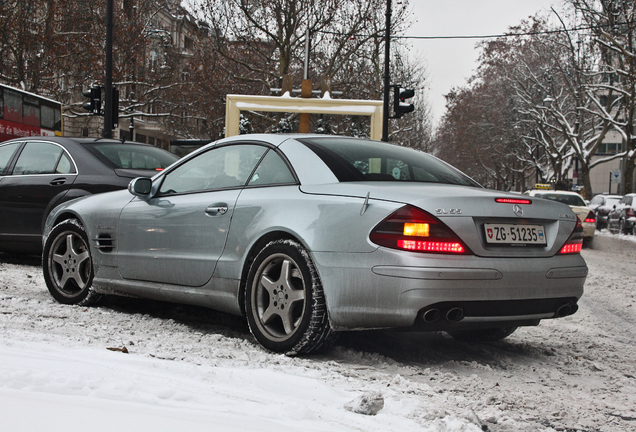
<point>188,43</point>
<point>603,100</point>
<point>610,148</point>
<point>152,60</point>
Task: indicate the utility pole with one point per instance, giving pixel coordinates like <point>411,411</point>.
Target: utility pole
<point>304,120</point>
<point>108,82</point>
<point>387,76</point>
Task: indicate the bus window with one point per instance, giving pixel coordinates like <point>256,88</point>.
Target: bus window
<point>48,117</point>
<point>31,111</point>
<point>12,106</point>
<point>58,119</point>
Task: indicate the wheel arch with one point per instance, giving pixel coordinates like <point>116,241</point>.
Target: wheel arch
<point>67,214</point>
<point>62,198</point>
<point>60,217</point>
<point>251,255</point>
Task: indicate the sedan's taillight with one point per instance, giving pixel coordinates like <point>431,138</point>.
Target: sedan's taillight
<point>630,212</point>
<point>591,217</point>
<point>412,229</point>
<point>575,241</point>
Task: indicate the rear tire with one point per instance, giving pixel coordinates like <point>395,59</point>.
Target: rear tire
<point>67,264</point>
<point>483,335</point>
<point>284,300</point>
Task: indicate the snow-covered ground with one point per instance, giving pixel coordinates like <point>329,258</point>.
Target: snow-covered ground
<point>137,365</point>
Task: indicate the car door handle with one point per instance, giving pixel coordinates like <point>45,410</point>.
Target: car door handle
<point>218,209</point>
<point>58,181</point>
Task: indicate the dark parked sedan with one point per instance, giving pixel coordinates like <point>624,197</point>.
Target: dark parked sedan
<point>622,218</point>
<point>38,173</point>
<point>601,205</point>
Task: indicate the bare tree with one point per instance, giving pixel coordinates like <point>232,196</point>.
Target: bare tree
<point>561,102</point>
<point>613,23</point>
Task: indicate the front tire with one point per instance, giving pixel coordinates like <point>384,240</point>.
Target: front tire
<point>284,300</point>
<point>67,264</point>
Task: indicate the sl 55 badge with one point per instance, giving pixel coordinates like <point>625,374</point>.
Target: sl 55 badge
<point>448,211</point>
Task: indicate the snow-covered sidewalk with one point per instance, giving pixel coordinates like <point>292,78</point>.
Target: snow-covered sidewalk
<point>62,368</point>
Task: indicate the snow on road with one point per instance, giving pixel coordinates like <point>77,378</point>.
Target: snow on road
<point>63,368</point>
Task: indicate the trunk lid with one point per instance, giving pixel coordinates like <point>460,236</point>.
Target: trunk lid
<point>466,210</point>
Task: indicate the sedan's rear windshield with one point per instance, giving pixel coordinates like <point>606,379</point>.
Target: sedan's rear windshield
<point>364,160</point>
<point>571,200</point>
<point>132,156</point>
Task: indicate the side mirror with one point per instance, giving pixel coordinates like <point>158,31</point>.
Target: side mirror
<point>140,187</point>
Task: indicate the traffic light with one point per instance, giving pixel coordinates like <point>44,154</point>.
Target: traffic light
<point>400,106</point>
<point>115,107</point>
<point>94,104</point>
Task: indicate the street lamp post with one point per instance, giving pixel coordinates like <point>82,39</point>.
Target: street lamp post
<point>108,81</point>
<point>387,76</point>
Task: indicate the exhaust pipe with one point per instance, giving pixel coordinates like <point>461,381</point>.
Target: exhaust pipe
<point>566,310</point>
<point>431,315</point>
<point>455,314</point>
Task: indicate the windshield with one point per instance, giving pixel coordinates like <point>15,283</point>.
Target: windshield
<point>571,200</point>
<point>134,156</point>
<point>364,160</point>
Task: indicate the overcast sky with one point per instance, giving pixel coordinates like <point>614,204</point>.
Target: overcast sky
<point>451,62</point>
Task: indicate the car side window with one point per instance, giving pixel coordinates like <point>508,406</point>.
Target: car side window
<point>219,168</point>
<point>6,152</point>
<point>42,158</point>
<point>64,165</point>
<point>272,170</point>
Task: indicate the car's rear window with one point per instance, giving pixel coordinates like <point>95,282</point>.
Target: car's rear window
<point>571,200</point>
<point>132,156</point>
<point>364,160</point>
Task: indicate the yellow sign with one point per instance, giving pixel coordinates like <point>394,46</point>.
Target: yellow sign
<point>542,186</point>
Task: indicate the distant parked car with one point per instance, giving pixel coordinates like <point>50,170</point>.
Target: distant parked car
<point>622,218</point>
<point>576,203</point>
<point>601,205</point>
<point>38,173</point>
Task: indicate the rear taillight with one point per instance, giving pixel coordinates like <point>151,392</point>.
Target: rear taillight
<point>630,212</point>
<point>412,229</point>
<point>575,241</point>
<point>591,218</point>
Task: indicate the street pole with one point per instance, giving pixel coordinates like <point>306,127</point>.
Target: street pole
<point>305,118</point>
<point>387,76</point>
<point>108,82</point>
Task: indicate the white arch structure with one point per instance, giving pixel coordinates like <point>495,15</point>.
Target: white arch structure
<point>237,103</point>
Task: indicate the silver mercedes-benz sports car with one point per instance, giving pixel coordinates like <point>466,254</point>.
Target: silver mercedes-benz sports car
<point>307,235</point>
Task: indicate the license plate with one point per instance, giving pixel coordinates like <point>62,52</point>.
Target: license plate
<point>515,234</point>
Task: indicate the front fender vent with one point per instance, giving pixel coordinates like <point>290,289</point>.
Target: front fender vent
<point>104,243</point>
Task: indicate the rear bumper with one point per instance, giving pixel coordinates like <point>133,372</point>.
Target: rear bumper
<point>387,288</point>
<point>588,229</point>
